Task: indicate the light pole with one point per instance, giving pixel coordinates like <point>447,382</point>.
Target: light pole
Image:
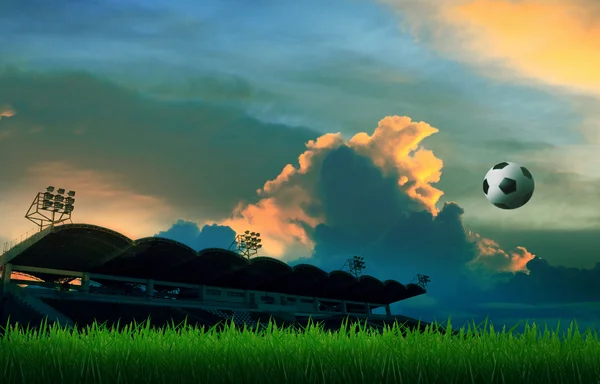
<point>247,244</point>
<point>422,280</point>
<point>49,209</point>
<point>355,265</point>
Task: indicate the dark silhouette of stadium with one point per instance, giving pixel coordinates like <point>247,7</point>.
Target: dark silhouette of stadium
<point>85,273</point>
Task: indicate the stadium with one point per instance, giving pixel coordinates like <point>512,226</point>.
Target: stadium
<point>75,274</point>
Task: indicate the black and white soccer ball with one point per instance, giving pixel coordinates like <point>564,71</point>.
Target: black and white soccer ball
<point>508,185</point>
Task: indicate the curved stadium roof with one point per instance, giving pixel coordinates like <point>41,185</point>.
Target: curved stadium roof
<point>94,249</point>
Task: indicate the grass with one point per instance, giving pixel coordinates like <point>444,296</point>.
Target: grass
<point>183,354</point>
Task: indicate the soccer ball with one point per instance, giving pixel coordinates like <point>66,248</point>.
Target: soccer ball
<point>508,185</point>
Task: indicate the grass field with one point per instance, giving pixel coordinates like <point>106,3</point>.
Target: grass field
<point>182,354</point>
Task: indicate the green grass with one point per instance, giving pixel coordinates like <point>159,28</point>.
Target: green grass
<point>182,354</point>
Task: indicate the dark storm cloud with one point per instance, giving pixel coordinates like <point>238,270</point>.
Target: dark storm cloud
<point>209,236</point>
<point>346,182</point>
<point>367,215</point>
<point>551,284</point>
<point>201,156</point>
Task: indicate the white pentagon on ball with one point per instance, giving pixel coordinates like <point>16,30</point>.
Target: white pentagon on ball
<point>508,185</point>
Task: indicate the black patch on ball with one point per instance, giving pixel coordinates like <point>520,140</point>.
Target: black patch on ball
<point>526,173</point>
<point>508,186</point>
<point>486,186</point>
<point>527,197</point>
<point>502,205</point>
<point>500,165</point>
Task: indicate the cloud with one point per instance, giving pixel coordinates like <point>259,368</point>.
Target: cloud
<point>555,42</point>
<point>283,211</point>
<point>209,236</point>
<point>6,111</point>
<point>572,248</point>
<point>371,195</point>
<point>548,283</point>
<point>494,258</point>
<point>185,151</point>
<point>294,200</point>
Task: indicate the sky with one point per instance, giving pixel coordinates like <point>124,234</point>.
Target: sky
<point>333,128</point>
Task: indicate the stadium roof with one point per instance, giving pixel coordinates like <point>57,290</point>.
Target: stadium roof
<point>94,249</point>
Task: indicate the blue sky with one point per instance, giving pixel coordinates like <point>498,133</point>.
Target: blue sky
<point>324,58</point>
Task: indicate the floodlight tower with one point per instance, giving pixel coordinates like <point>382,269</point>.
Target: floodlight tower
<point>247,244</point>
<point>355,265</point>
<point>49,209</point>
<point>422,280</point>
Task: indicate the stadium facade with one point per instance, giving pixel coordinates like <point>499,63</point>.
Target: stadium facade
<point>92,273</point>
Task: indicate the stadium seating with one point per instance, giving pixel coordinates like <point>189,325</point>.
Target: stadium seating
<point>19,313</point>
<point>84,313</point>
<point>240,318</point>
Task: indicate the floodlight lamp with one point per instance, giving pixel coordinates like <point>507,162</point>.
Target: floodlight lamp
<point>257,234</point>
<point>59,198</point>
<point>247,232</point>
<point>259,246</point>
<point>58,205</point>
<point>258,240</point>
<point>69,200</point>
<point>48,196</point>
<point>60,191</point>
<point>71,193</point>
<point>252,233</point>
<point>50,189</point>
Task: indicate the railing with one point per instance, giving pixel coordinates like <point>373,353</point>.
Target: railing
<point>8,245</point>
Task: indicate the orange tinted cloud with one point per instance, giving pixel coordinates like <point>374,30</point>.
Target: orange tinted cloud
<point>553,41</point>
<point>99,200</point>
<point>6,111</point>
<point>281,213</point>
<point>314,149</point>
<point>395,146</point>
<point>491,256</point>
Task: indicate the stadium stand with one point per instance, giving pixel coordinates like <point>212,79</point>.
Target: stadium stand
<point>84,313</point>
<point>122,280</point>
